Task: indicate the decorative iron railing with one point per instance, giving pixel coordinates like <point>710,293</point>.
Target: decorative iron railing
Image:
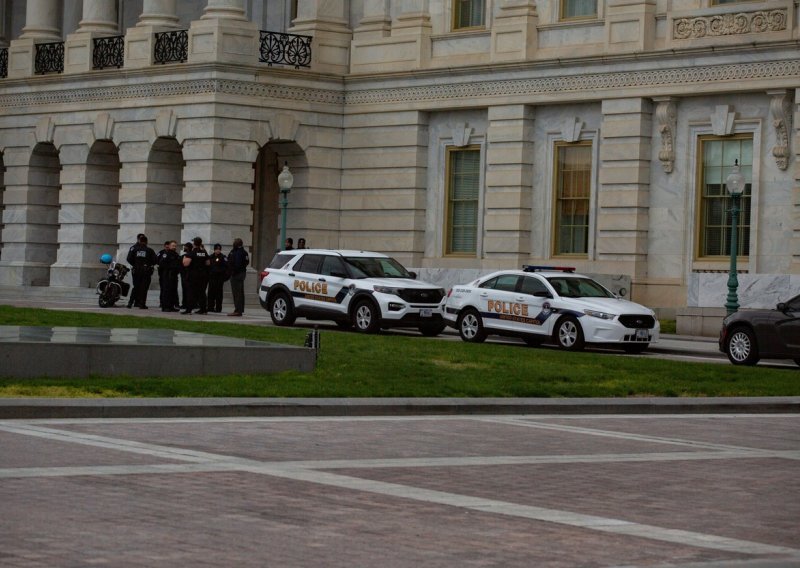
<point>108,52</point>
<point>3,62</point>
<point>285,49</point>
<point>49,58</point>
<point>171,47</point>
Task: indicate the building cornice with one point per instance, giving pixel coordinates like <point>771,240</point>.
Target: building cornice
<point>431,90</point>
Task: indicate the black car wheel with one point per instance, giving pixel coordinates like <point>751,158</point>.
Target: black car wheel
<point>281,309</point>
<point>470,326</point>
<point>741,347</point>
<point>568,334</point>
<point>366,318</point>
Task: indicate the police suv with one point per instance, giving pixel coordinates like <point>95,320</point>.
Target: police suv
<point>365,290</point>
<point>541,303</point>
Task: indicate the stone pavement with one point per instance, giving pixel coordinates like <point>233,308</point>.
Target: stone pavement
<point>434,491</point>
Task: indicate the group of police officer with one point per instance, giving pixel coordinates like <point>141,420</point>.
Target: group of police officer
<point>201,275</point>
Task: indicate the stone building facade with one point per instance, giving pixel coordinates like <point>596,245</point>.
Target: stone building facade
<point>459,136</point>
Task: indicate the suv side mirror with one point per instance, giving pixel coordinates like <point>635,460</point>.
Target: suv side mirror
<point>413,275</point>
<point>782,307</point>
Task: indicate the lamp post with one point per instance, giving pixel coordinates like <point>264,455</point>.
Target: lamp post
<point>285,181</point>
<point>735,185</point>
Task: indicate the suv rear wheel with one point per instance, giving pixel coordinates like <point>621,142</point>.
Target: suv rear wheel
<point>281,309</point>
<point>366,317</point>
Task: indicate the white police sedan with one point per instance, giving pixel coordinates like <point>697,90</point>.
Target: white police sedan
<point>541,303</point>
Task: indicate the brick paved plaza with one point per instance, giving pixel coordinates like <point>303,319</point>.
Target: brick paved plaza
<point>533,491</point>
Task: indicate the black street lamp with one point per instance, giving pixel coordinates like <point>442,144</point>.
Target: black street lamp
<point>735,184</point>
<point>285,181</point>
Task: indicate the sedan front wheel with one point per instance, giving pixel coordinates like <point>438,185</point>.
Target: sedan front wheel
<point>741,347</point>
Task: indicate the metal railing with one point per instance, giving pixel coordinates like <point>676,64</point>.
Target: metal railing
<point>49,58</point>
<point>285,49</point>
<point>108,52</point>
<point>3,62</point>
<point>171,47</point>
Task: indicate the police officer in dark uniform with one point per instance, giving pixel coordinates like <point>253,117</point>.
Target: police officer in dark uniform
<point>168,267</point>
<point>183,272</point>
<point>142,260</point>
<point>159,257</point>
<point>218,274</point>
<point>197,264</point>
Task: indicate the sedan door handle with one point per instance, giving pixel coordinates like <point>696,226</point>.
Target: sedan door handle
<point>322,280</point>
<point>291,274</point>
<point>484,294</point>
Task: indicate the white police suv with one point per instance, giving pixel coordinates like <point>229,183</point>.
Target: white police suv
<point>541,303</point>
<point>365,290</point>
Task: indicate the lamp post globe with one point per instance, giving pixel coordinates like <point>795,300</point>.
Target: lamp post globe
<point>734,183</point>
<point>285,182</point>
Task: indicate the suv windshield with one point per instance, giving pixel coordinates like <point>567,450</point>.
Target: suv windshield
<point>578,287</point>
<point>376,267</point>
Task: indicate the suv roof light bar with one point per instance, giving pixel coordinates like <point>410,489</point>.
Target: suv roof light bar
<point>539,268</point>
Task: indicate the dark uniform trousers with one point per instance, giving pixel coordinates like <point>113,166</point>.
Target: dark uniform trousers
<point>198,282</point>
<point>141,284</point>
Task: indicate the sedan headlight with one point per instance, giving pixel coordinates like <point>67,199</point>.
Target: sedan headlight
<point>601,315</point>
<point>387,290</point>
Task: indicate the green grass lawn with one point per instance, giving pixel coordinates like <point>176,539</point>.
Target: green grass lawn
<point>353,365</point>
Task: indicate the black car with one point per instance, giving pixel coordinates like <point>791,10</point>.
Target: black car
<point>750,335</point>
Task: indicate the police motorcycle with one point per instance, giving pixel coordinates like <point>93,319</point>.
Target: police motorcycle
<point>113,286</point>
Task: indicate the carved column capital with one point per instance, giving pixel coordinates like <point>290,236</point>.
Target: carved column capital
<point>780,109</point>
<point>667,117</point>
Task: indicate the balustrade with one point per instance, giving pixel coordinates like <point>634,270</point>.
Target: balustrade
<point>49,58</point>
<point>171,47</point>
<point>285,49</point>
<point>108,52</point>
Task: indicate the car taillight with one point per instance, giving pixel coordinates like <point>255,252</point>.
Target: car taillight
<point>263,274</point>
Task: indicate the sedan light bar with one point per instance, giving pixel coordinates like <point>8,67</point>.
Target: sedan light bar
<point>539,268</point>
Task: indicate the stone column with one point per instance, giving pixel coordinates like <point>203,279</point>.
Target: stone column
<point>218,189</point>
<point>328,23</point>
<point>223,34</point>
<point>41,26</point>
<point>157,16</point>
<point>624,187</point>
<point>514,36</point>
<point>99,19</point>
<point>509,184</point>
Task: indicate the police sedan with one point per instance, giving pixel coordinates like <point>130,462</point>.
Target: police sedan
<point>541,303</point>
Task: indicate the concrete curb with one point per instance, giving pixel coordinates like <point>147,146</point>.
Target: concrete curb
<point>41,408</point>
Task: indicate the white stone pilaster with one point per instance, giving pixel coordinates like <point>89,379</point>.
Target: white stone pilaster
<point>30,219</point>
<point>327,22</point>
<point>624,186</point>
<point>514,36</point>
<point>218,190</point>
<point>630,25</point>
<point>509,183</point>
<point>223,34</point>
<point>41,26</point>
<point>157,16</point>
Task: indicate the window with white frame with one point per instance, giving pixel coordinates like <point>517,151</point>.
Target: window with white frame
<point>578,9</point>
<point>573,181</point>
<point>462,196</point>
<point>716,159</point>
<point>468,14</point>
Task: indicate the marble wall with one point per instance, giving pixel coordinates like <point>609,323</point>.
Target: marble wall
<point>755,290</point>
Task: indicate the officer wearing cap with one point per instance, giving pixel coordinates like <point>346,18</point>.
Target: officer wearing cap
<point>197,264</point>
<point>142,260</point>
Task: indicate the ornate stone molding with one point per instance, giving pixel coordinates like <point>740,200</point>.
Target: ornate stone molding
<point>759,21</point>
<point>591,82</point>
<point>461,134</point>
<point>571,129</point>
<point>780,108</point>
<point>667,116</point>
<point>722,121</point>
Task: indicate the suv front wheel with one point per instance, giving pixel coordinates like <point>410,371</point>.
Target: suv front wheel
<point>366,317</point>
<point>281,309</point>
